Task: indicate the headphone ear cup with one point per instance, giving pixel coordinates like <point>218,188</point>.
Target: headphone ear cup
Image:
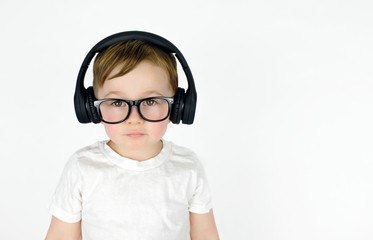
<point>91,109</point>
<point>178,106</point>
<point>80,106</point>
<point>189,107</point>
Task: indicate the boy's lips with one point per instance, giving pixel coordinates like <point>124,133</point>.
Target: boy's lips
<point>135,134</point>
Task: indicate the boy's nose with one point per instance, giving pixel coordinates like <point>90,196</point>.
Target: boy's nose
<point>134,116</point>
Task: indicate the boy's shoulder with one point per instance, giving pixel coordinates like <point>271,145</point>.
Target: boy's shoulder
<point>183,156</point>
<point>181,151</point>
<point>94,148</point>
<point>91,153</point>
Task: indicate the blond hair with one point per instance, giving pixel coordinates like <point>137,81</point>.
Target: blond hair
<point>128,55</point>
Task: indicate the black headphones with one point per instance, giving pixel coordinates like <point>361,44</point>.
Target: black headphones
<point>184,106</point>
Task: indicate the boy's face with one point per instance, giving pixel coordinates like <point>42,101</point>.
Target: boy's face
<point>135,137</point>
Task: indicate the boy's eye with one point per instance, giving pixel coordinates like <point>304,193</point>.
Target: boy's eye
<point>150,102</point>
<point>118,103</point>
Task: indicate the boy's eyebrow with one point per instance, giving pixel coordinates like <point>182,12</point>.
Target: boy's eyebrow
<point>152,92</point>
<point>117,93</point>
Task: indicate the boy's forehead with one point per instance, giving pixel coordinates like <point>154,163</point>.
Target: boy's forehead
<point>143,81</point>
<point>115,71</point>
<point>143,66</point>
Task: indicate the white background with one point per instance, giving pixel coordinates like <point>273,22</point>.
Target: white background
<point>284,119</point>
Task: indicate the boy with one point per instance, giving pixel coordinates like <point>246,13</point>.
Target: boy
<point>135,185</point>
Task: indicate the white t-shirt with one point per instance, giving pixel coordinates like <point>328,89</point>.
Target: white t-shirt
<point>120,198</point>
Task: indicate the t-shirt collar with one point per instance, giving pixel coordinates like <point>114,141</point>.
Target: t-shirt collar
<point>135,165</point>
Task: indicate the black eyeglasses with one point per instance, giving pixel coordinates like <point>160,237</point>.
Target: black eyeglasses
<point>153,109</point>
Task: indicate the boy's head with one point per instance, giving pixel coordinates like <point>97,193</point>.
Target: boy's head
<point>135,71</point>
<point>125,56</point>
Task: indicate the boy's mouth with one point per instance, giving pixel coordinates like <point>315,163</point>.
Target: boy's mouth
<point>135,135</point>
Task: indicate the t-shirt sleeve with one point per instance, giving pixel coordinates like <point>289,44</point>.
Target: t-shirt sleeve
<point>200,201</point>
<point>66,203</point>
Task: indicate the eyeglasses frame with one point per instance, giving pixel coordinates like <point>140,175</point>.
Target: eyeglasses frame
<point>130,103</point>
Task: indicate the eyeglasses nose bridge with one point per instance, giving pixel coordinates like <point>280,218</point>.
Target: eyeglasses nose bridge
<point>136,104</point>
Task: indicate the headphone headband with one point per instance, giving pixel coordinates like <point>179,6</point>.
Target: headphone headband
<point>83,106</point>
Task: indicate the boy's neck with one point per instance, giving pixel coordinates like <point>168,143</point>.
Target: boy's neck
<point>138,154</point>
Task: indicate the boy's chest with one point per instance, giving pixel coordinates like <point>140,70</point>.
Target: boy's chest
<point>137,197</point>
